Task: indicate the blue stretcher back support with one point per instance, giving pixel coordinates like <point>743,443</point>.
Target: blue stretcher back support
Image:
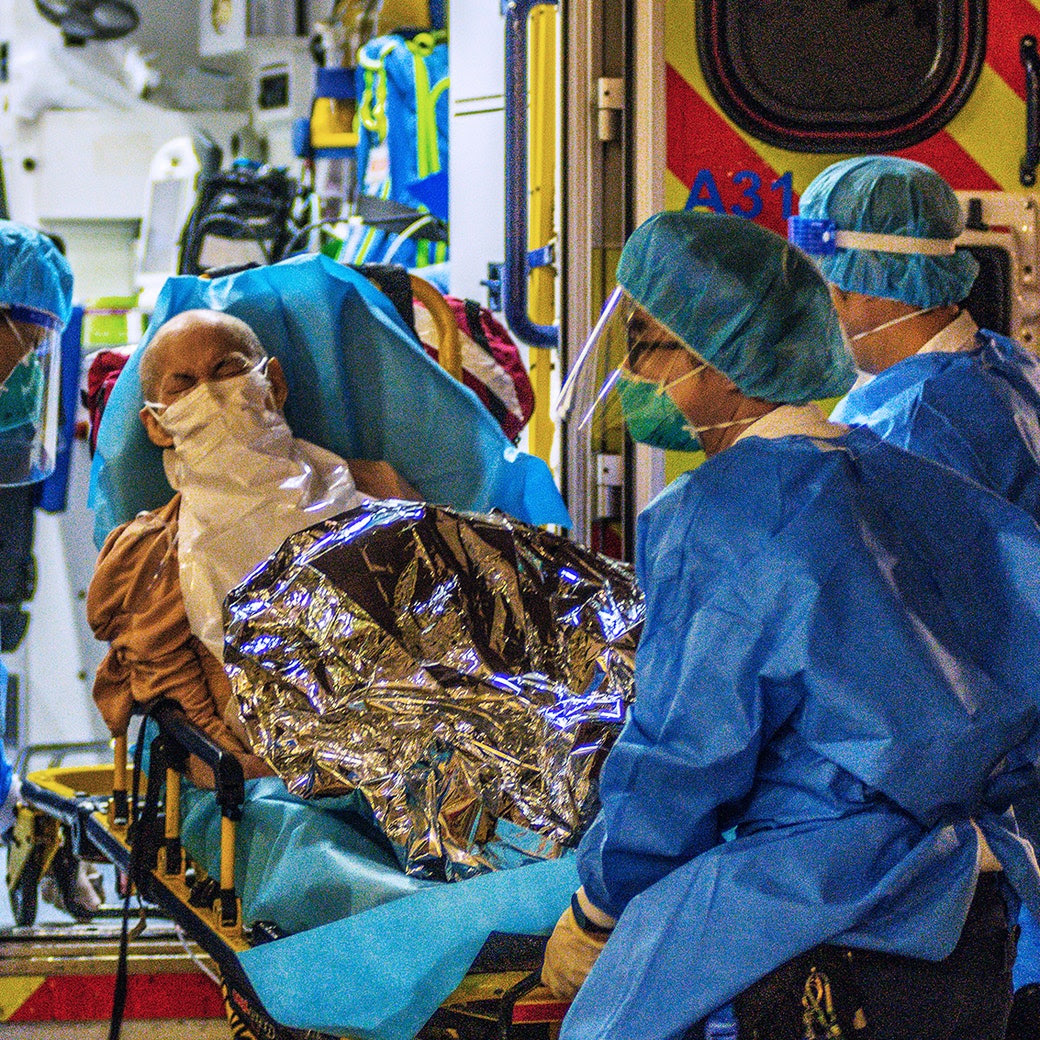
<point>360,385</point>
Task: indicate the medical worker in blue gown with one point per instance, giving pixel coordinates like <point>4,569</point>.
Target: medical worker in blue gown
<point>837,687</point>
<point>882,229</point>
<point>35,303</point>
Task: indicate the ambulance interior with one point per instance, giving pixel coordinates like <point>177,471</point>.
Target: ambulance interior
<point>185,137</point>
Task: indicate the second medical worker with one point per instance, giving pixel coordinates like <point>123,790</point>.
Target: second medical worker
<point>883,229</point>
<point>35,304</point>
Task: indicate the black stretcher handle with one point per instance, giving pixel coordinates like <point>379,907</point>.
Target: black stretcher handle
<point>180,732</point>
<point>1031,65</point>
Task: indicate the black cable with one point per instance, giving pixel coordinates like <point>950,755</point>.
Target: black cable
<point>135,830</point>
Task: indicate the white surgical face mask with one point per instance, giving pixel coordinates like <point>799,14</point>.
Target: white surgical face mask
<point>239,408</point>
<point>246,484</point>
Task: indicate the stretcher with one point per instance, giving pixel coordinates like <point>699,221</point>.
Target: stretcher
<point>391,958</point>
<point>130,815</point>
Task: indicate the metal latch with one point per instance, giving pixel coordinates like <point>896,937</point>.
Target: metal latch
<point>610,103</point>
<point>609,477</point>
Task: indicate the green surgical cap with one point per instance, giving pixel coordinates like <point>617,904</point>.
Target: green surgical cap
<point>751,305</point>
<point>886,195</point>
<point>35,279</point>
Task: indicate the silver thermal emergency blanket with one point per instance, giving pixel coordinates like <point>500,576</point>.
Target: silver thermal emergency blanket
<point>466,673</point>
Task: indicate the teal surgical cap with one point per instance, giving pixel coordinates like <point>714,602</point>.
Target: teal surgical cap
<point>881,194</point>
<point>744,300</point>
<point>35,279</point>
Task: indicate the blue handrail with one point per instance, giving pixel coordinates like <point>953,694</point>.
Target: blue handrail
<point>517,265</point>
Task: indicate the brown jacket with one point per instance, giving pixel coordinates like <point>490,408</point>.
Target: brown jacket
<point>135,604</point>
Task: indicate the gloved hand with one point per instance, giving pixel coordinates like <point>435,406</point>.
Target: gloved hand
<point>574,945</point>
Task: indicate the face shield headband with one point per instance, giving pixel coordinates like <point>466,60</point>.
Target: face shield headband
<point>30,359</point>
<point>824,238</point>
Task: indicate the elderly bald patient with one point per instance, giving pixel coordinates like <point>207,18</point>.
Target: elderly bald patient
<point>214,402</point>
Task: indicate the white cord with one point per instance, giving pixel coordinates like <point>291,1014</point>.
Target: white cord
<point>202,966</point>
<point>416,225</point>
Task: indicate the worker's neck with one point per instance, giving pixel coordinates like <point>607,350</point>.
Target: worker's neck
<point>738,413</point>
<point>879,350</point>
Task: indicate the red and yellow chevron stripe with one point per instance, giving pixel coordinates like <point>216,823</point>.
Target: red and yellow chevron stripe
<point>88,998</point>
<point>726,167</point>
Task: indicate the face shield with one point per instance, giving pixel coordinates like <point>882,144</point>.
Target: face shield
<point>30,385</point>
<point>628,376</point>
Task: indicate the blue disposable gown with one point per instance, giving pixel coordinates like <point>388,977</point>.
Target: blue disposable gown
<point>976,411</point>
<point>839,661</point>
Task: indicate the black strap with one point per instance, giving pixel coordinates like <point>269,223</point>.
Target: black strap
<point>595,930</point>
<point>138,828</point>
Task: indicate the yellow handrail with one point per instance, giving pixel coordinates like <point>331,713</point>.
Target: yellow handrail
<point>542,214</point>
<point>449,342</point>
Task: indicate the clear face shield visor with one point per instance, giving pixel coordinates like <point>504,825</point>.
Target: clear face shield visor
<point>628,375</point>
<point>30,386</point>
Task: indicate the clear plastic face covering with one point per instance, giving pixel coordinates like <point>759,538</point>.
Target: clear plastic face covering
<point>622,380</point>
<point>246,484</point>
<point>30,363</point>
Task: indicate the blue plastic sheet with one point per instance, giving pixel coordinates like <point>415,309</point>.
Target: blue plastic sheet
<point>1027,956</point>
<point>976,411</point>
<point>381,974</point>
<point>839,662</point>
<point>359,385</point>
<point>54,491</point>
<point>376,952</point>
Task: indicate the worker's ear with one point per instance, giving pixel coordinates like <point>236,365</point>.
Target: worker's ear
<point>279,387</point>
<point>156,434</point>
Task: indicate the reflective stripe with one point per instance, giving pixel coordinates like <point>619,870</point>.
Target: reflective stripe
<point>895,243</point>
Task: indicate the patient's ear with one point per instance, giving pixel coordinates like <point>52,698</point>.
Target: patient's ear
<point>156,434</point>
<point>279,387</point>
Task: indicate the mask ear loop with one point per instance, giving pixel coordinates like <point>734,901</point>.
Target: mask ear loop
<point>695,430</point>
<point>894,321</point>
<point>665,387</point>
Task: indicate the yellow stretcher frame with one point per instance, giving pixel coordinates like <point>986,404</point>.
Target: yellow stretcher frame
<point>504,1003</point>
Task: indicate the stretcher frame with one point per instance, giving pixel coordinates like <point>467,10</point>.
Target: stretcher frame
<point>501,997</point>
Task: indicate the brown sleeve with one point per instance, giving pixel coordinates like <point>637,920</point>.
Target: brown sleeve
<point>135,603</point>
<point>381,480</point>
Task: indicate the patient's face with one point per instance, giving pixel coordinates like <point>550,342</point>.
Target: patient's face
<point>192,349</point>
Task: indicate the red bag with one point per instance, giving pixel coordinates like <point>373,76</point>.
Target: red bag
<point>104,370</point>
<point>491,364</point>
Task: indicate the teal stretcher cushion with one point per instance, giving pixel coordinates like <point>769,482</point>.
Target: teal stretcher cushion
<point>375,951</point>
<point>360,385</point>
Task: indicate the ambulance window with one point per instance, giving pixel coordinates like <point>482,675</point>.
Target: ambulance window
<point>841,75</point>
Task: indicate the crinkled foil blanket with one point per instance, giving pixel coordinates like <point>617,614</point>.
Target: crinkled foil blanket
<point>467,673</point>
